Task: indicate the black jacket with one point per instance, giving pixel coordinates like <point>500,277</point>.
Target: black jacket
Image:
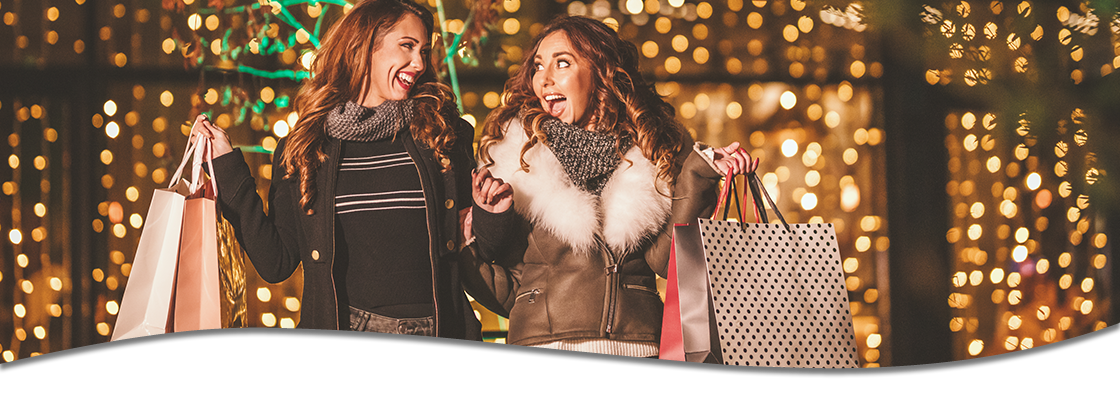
<point>279,241</point>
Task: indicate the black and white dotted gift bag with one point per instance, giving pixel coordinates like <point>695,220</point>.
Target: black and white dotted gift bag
<point>779,296</point>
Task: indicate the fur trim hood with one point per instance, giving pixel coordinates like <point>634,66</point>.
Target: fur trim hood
<point>627,214</point>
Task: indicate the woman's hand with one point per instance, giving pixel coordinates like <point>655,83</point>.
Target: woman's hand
<point>732,160</point>
<point>490,193</point>
<point>466,220</point>
<point>203,127</point>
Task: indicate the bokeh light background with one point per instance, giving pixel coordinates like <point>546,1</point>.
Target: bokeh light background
<point>961,148</point>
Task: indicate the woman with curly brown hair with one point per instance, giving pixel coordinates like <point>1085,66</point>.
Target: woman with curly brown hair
<point>368,186</point>
<point>600,172</point>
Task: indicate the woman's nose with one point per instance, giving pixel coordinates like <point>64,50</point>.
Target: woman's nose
<point>546,76</point>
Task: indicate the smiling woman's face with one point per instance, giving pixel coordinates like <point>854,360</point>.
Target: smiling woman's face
<point>561,79</point>
<point>399,60</point>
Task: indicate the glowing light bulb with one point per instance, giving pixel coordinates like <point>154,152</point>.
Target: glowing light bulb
<point>788,100</point>
<point>1034,181</point>
<point>789,148</point>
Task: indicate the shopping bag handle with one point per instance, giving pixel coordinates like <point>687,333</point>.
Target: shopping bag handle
<point>196,170</point>
<point>757,192</point>
<point>727,193</point>
<point>199,152</point>
<point>754,183</point>
<point>191,146</point>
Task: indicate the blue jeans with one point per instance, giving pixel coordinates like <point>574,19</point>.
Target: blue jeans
<point>391,355</point>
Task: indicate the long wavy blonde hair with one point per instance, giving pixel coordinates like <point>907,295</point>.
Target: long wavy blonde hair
<point>622,102</point>
<point>341,73</point>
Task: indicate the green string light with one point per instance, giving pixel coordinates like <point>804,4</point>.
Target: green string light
<point>450,49</point>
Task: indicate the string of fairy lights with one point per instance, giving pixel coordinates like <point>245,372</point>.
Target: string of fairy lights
<point>794,80</point>
<point>819,146</point>
<point>1030,253</point>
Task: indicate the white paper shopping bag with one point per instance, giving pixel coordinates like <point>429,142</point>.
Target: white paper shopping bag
<point>147,307</point>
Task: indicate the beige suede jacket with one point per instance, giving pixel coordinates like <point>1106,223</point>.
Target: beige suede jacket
<point>579,266</point>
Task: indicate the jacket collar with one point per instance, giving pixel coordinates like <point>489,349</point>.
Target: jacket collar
<point>626,215</point>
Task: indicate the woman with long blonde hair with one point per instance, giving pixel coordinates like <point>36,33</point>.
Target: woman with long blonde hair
<point>368,187</point>
<point>600,171</point>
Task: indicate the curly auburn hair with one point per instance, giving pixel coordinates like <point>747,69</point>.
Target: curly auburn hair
<point>340,73</point>
<point>622,102</point>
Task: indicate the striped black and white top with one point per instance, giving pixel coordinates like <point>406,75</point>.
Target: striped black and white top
<point>371,198</point>
<point>383,230</point>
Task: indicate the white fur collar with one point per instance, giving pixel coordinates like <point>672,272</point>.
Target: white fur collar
<point>628,212</point>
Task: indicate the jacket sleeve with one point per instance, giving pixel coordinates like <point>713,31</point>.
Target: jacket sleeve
<point>485,280</point>
<point>491,285</point>
<point>492,263</point>
<point>694,195</point>
<point>462,160</point>
<point>271,240</point>
<point>494,283</point>
<point>492,231</point>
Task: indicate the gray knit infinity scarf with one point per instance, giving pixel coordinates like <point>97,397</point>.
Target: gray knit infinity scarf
<point>588,157</point>
<point>351,121</point>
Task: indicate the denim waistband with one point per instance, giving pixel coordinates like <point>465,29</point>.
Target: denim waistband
<point>365,321</point>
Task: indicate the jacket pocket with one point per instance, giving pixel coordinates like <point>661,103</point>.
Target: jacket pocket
<point>529,296</point>
<point>529,316</point>
<point>643,289</point>
<point>639,311</point>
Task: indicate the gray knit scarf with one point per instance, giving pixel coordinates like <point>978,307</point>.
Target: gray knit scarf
<point>588,157</point>
<point>351,121</point>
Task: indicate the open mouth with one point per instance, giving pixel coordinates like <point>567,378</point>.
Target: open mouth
<point>555,104</point>
<point>405,79</point>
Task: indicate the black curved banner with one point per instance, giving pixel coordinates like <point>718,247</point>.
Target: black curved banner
<point>512,350</point>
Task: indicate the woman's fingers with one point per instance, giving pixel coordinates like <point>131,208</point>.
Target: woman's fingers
<point>203,127</point>
<point>197,128</point>
<point>466,222</point>
<point>744,160</point>
<point>733,160</point>
<point>486,189</point>
<point>496,190</point>
<point>479,176</point>
<point>502,191</point>
<point>476,188</point>
<point>478,179</point>
<point>731,148</point>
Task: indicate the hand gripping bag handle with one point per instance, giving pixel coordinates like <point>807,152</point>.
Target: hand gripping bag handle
<point>757,192</point>
<point>195,147</point>
<point>191,145</point>
<point>728,191</point>
<point>196,169</point>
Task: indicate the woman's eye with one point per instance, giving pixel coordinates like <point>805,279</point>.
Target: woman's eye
<point>407,46</point>
<point>538,66</point>
<point>563,63</point>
